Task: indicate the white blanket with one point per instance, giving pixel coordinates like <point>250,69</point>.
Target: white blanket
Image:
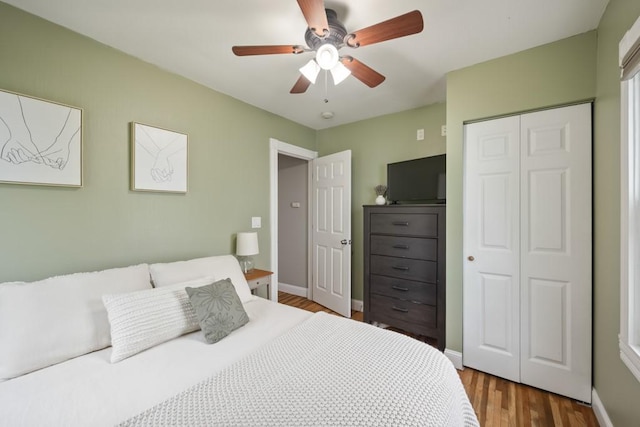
<point>327,371</point>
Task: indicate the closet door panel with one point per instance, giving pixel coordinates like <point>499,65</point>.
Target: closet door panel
<point>556,250</point>
<point>548,211</point>
<point>491,290</point>
<point>548,308</point>
<point>496,318</point>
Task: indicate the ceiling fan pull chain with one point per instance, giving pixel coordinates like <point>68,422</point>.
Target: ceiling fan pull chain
<point>326,86</point>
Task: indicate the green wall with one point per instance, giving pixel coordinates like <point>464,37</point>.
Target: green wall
<point>374,143</point>
<point>52,230</point>
<point>553,74</point>
<point>616,386</point>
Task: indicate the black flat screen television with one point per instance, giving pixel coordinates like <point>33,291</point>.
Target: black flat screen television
<point>418,181</point>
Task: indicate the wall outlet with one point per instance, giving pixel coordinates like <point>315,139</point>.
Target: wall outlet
<point>420,135</point>
<point>443,130</point>
<point>256,222</point>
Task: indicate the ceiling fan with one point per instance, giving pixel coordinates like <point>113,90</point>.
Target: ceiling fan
<point>326,35</point>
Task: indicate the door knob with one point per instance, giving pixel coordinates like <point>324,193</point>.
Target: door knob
<point>470,258</point>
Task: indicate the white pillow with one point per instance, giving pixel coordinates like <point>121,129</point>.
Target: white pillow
<point>143,319</point>
<point>219,267</point>
<point>47,322</point>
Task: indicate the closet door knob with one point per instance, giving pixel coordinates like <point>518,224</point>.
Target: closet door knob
<point>470,258</point>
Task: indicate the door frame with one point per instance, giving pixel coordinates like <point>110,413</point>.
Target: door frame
<point>278,147</point>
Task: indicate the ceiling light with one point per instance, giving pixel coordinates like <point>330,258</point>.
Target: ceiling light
<point>327,115</point>
<point>339,72</point>
<point>310,71</point>
<point>327,56</point>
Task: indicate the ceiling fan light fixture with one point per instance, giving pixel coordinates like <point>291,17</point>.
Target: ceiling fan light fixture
<point>326,35</point>
<point>327,56</point>
<point>339,72</point>
<point>311,70</point>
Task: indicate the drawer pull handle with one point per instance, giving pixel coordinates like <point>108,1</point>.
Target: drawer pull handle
<point>402,310</point>
<point>399,288</point>
<point>401,223</point>
<point>397,267</point>
<point>401,246</point>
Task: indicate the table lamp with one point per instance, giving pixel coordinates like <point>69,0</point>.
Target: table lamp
<point>246,247</point>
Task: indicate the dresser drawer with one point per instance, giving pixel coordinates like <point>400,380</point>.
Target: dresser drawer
<point>425,293</point>
<point>405,224</point>
<point>405,247</point>
<point>410,269</point>
<point>402,314</point>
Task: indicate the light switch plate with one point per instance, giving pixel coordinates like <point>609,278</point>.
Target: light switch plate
<point>256,222</point>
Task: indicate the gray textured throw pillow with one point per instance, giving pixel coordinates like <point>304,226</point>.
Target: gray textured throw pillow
<point>218,308</point>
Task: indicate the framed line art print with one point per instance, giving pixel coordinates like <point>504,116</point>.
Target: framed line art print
<point>40,141</point>
<point>158,159</point>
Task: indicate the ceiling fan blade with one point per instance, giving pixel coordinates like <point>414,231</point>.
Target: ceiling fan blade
<point>301,85</point>
<point>365,74</point>
<point>267,50</point>
<point>313,11</point>
<point>400,26</point>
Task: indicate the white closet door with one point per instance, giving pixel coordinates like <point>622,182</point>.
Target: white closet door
<point>491,290</point>
<point>527,225</point>
<point>556,250</point>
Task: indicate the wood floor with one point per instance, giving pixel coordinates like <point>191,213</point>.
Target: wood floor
<point>498,402</point>
<point>309,305</point>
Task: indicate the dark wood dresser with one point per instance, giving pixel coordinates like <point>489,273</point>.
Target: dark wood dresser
<point>404,268</point>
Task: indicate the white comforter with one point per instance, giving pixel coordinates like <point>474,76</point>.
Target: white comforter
<point>328,371</point>
<point>317,368</point>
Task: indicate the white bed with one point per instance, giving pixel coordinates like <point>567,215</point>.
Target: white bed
<point>325,352</point>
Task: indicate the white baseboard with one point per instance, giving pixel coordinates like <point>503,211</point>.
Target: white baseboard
<point>357,305</point>
<point>455,357</point>
<point>292,289</point>
<point>599,410</point>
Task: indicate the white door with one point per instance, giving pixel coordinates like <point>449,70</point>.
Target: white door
<point>331,236</point>
<point>542,337</point>
<point>491,303</point>
<point>556,250</point>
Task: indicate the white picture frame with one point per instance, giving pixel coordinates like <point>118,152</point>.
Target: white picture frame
<point>159,159</point>
<point>40,141</point>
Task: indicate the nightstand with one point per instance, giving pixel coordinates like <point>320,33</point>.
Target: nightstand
<point>258,278</point>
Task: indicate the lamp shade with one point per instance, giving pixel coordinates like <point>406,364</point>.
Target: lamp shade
<point>310,71</point>
<point>247,244</point>
<point>339,72</point>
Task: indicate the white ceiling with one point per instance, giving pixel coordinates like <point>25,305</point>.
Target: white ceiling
<point>193,38</point>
